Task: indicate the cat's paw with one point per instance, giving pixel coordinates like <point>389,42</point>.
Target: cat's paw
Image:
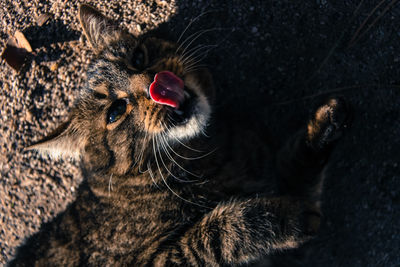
<point>302,220</point>
<point>328,122</point>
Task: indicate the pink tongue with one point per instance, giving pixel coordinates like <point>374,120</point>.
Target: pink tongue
<point>167,89</point>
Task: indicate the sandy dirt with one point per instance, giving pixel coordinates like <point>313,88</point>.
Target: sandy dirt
<point>274,61</point>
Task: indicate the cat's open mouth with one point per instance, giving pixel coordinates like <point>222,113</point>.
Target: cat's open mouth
<point>182,114</point>
<point>169,90</point>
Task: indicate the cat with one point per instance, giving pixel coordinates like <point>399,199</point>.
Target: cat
<point>158,191</point>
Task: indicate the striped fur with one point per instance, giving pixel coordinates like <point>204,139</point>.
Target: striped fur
<point>152,194</point>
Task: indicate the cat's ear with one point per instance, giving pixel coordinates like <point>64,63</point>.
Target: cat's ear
<point>63,142</point>
<point>98,29</point>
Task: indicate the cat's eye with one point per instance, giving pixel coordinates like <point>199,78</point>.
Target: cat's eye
<point>117,109</point>
<point>139,58</point>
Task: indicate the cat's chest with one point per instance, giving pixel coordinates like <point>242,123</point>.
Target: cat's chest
<point>126,224</point>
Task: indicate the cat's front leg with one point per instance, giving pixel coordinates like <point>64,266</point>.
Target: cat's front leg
<point>239,232</point>
<point>302,160</point>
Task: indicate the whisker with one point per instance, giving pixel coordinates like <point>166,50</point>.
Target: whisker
<point>192,57</point>
<point>364,22</point>
<point>143,148</point>
<point>193,51</point>
<point>196,36</point>
<point>187,39</point>
<point>200,46</point>
<point>167,154</point>
<point>198,58</point>
<point>210,47</point>
<point>152,175</point>
<point>110,188</point>
<point>195,68</point>
<point>165,166</point>
<point>334,46</point>
<point>179,141</point>
<point>193,64</point>
<point>387,8</point>
<point>193,35</point>
<point>204,133</point>
<point>182,157</point>
<point>177,164</point>
<point>138,158</point>
<point>191,22</point>
<point>194,61</point>
<point>171,120</point>
<point>166,184</point>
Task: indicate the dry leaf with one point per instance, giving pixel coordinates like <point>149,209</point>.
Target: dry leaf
<point>16,51</point>
<point>22,41</point>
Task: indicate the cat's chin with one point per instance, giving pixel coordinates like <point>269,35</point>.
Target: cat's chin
<point>191,118</point>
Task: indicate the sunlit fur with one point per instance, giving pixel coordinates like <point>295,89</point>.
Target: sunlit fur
<point>158,192</point>
<point>111,76</point>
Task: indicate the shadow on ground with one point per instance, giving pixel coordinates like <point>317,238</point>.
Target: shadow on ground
<point>274,62</point>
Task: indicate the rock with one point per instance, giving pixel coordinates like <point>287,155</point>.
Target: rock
<point>42,19</point>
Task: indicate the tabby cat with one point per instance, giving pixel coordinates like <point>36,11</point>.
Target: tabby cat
<point>157,190</point>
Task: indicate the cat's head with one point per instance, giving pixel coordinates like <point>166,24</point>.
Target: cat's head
<point>139,88</point>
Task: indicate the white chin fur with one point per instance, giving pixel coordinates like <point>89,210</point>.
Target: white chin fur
<point>196,124</point>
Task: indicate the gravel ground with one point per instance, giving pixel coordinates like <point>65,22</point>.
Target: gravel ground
<point>274,60</point>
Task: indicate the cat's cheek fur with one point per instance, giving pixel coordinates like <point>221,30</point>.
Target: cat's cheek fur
<point>196,124</point>
<point>200,83</point>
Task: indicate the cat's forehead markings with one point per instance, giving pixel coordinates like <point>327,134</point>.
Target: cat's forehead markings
<point>109,55</point>
<point>118,50</point>
<point>140,82</point>
<point>121,94</point>
<point>105,89</point>
<point>102,89</point>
